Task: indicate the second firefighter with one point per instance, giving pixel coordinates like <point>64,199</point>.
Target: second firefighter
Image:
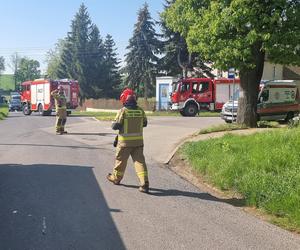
<point>61,109</point>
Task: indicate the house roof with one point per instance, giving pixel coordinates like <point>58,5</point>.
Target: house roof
<point>291,72</point>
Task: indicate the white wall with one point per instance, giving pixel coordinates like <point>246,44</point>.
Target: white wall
<point>272,71</point>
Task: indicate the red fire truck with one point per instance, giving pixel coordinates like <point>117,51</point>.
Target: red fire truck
<point>36,95</point>
<point>190,95</point>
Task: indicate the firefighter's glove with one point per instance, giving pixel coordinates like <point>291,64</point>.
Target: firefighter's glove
<point>115,141</point>
<point>116,126</point>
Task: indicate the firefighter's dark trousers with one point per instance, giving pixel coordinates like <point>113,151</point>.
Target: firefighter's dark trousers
<point>122,155</point>
<point>61,118</point>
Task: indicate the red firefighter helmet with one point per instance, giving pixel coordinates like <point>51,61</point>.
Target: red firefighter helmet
<point>127,92</point>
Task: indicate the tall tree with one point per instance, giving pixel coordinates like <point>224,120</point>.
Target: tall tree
<point>239,34</point>
<point>176,59</point>
<point>113,78</point>
<point>2,64</point>
<point>28,69</point>
<point>54,60</point>
<point>96,70</point>
<point>81,56</point>
<point>67,62</point>
<point>75,53</point>
<point>14,64</point>
<point>141,60</point>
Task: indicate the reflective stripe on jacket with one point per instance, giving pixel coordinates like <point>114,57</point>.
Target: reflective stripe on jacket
<point>132,120</point>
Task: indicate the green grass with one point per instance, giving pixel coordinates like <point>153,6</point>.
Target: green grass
<point>7,82</point>
<point>3,111</point>
<point>109,116</point>
<point>235,126</point>
<point>222,127</point>
<point>209,114</point>
<point>101,116</point>
<point>263,167</point>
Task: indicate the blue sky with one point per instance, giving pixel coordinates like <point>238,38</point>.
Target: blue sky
<point>32,27</point>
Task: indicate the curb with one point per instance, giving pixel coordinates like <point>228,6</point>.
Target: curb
<point>203,137</point>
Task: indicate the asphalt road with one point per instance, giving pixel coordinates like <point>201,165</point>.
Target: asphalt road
<point>54,195</point>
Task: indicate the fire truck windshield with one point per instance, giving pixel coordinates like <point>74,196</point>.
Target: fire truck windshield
<point>175,86</point>
<point>185,87</point>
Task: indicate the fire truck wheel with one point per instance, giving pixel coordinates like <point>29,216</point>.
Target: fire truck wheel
<point>289,116</point>
<point>190,110</point>
<point>26,109</point>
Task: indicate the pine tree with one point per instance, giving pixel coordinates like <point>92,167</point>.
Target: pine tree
<point>141,60</point>
<point>79,38</point>
<point>113,78</point>
<point>96,66</point>
<point>82,56</point>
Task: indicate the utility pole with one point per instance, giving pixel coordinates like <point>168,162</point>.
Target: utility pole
<point>16,68</point>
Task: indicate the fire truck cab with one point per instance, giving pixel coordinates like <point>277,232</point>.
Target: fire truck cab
<point>36,95</point>
<point>190,95</point>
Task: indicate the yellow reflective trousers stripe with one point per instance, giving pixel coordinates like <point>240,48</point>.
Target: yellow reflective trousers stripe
<point>142,174</point>
<point>118,173</point>
<point>129,138</point>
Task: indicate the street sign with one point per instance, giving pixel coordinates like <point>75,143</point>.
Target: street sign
<point>231,73</point>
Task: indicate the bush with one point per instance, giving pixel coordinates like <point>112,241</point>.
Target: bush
<point>3,111</point>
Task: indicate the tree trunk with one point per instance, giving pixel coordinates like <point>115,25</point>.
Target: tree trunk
<point>189,67</point>
<point>184,71</point>
<point>249,86</point>
<point>146,89</point>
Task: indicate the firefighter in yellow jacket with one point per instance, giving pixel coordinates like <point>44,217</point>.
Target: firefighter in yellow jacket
<point>61,109</point>
<point>130,121</point>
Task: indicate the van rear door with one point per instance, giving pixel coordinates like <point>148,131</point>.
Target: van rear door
<point>277,100</point>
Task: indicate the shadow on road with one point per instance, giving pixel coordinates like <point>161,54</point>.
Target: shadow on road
<point>203,196</point>
<point>54,207</point>
<point>49,145</point>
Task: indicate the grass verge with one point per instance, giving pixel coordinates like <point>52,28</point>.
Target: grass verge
<point>101,116</point>
<point>263,168</point>
<point>222,127</point>
<point>3,111</point>
<point>235,126</point>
